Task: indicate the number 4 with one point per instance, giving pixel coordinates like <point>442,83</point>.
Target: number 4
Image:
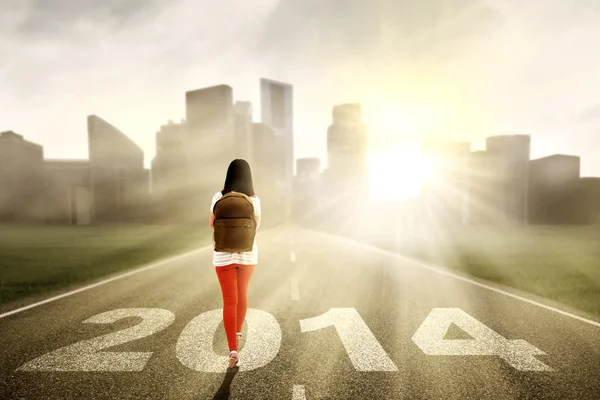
<point>430,339</point>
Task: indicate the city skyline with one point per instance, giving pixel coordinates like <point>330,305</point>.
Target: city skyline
<point>112,185</point>
<point>409,177</point>
<point>405,149</point>
<point>466,186</point>
<point>514,68</point>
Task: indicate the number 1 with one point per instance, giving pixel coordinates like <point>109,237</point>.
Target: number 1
<point>364,351</point>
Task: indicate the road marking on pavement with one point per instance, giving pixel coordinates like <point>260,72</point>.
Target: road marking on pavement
<point>518,353</point>
<point>443,271</point>
<point>293,256</point>
<point>114,278</point>
<point>298,393</point>
<point>363,348</point>
<point>194,348</point>
<point>86,355</point>
<point>294,288</point>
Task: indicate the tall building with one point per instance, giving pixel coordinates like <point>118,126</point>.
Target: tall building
<point>21,179</point>
<point>268,170</point>
<point>588,195</point>
<point>170,175</point>
<point>308,169</point>
<point>169,166</point>
<point>347,151</point>
<point>243,130</point>
<point>345,183</point>
<point>266,155</point>
<point>347,142</point>
<point>486,176</point>
<point>211,141</point>
<point>210,126</point>
<point>117,172</point>
<point>512,152</point>
<point>276,100</point>
<point>306,188</point>
<point>208,108</point>
<point>170,133</point>
<point>553,190</point>
<point>446,194</point>
<point>68,198</point>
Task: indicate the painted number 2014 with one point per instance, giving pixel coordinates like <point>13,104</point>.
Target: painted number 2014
<point>194,348</point>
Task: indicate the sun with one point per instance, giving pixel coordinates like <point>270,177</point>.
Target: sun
<point>397,167</point>
<point>397,174</point>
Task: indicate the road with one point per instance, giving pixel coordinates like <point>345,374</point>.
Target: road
<point>328,319</point>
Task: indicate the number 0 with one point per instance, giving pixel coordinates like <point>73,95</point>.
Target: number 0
<point>194,348</point>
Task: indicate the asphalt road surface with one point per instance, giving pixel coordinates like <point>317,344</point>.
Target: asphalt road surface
<point>328,319</point>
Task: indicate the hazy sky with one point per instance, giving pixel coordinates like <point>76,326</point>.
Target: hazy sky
<point>463,69</point>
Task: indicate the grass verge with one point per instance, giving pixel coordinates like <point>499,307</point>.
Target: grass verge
<point>558,263</point>
<point>38,259</point>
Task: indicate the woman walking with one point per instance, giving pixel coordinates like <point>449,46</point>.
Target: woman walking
<point>234,216</point>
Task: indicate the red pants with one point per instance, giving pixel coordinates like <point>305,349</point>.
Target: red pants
<point>234,280</point>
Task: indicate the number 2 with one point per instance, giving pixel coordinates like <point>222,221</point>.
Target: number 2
<point>86,355</point>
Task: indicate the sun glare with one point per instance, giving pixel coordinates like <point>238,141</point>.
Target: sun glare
<point>396,175</point>
<point>398,169</point>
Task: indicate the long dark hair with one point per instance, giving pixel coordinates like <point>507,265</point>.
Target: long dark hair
<point>239,178</point>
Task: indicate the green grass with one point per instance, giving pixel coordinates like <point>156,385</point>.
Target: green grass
<point>35,260</point>
<point>558,263</point>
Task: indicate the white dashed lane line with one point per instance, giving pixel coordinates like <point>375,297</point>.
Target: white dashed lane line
<point>295,291</point>
<point>294,283</point>
<point>298,393</point>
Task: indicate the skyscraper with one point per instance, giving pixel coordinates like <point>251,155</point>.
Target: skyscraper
<point>308,168</point>
<point>208,108</point>
<point>210,127</point>
<point>553,189</point>
<point>512,152</point>
<point>21,178</point>
<point>276,100</point>
<point>68,195</point>
<point>306,188</point>
<point>170,173</point>
<point>344,184</point>
<point>486,177</point>
<point>211,141</point>
<point>117,171</point>
<point>169,166</point>
<point>347,148</point>
<point>243,130</point>
<point>588,194</point>
<point>268,170</point>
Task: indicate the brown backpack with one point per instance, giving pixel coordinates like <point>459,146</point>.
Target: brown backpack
<point>235,224</point>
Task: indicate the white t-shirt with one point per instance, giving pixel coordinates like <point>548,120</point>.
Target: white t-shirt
<point>221,258</point>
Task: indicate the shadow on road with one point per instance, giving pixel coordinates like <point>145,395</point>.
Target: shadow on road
<point>223,392</point>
